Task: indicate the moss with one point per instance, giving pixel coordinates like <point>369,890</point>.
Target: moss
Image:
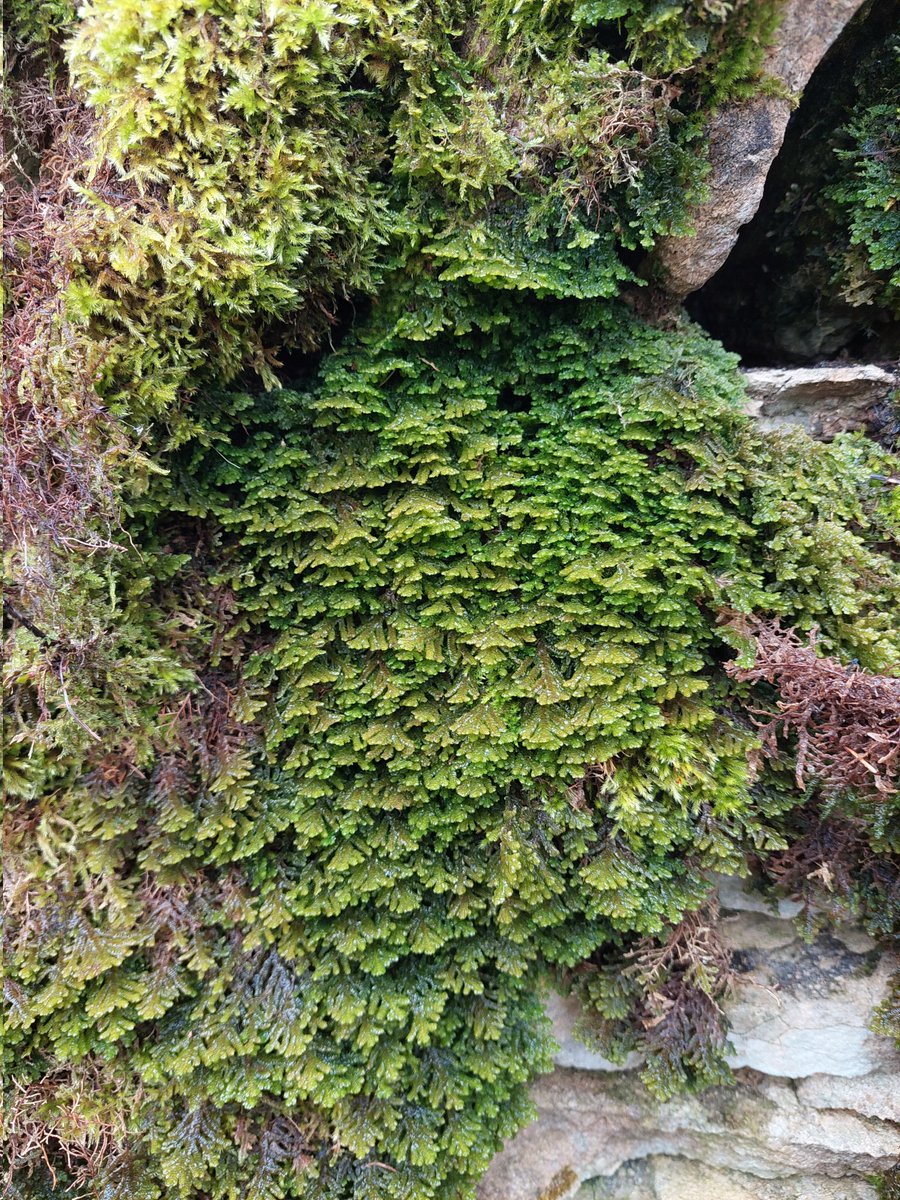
<point>477,573</point>
<point>867,267</point>
<point>888,1185</point>
<point>562,1182</point>
<point>363,701</point>
<point>36,30</point>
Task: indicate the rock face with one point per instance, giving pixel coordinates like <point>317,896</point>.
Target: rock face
<point>822,400</point>
<point>743,142</point>
<point>816,1109</point>
<point>757,1135</point>
<point>662,1178</point>
<point>803,1009</point>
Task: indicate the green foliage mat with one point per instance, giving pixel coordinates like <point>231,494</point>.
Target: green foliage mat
<point>480,572</point>
<point>342,715</point>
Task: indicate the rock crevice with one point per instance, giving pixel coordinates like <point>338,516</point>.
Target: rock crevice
<point>744,140</point>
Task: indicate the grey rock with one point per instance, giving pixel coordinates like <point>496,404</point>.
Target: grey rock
<point>876,1095</point>
<point>743,142</point>
<point>822,400</point>
<point>662,1178</point>
<point>735,895</point>
<point>632,1181</point>
<point>565,1012</point>
<point>798,1009</point>
<point>591,1123</point>
<point>802,1009</point>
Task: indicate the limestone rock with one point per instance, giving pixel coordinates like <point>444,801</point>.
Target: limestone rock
<point>662,1178</point>
<point>876,1095</point>
<point>802,1009</point>
<point>822,400</point>
<point>591,1123</point>
<point>743,142</point>
<point>632,1181</point>
<point>815,1110</point>
<point>564,1012</point>
<point>736,896</point>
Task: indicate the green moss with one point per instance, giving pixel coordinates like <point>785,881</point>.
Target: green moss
<point>867,187</point>
<point>477,574</point>
<point>254,164</point>
<point>36,28</point>
<point>275,161</point>
<point>888,1185</point>
<point>561,1183</point>
<point>405,682</point>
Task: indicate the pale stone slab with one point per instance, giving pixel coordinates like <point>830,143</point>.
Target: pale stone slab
<point>802,1009</point>
<point>822,400</point>
<point>565,1012</point>
<point>736,895</point>
<point>798,1010</point>
<point>876,1095</point>
<point>661,1178</point>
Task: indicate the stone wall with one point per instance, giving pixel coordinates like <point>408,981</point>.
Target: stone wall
<point>816,1109</point>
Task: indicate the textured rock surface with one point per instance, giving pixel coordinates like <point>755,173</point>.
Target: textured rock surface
<point>815,1111</point>
<point>877,1095</point>
<point>744,140</point>
<point>803,1009</point>
<point>591,1123</point>
<point>823,400</point>
<point>661,1178</point>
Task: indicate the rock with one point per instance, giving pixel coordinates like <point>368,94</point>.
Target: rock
<point>661,1178</point>
<point>632,1181</point>
<point>591,1123</point>
<point>743,142</point>
<point>736,896</point>
<point>677,1179</point>
<point>802,1009</point>
<point>815,1110</point>
<point>822,400</point>
<point>876,1095</point>
<point>564,1012</point>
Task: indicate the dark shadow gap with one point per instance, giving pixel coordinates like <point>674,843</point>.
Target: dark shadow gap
<point>776,301</point>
